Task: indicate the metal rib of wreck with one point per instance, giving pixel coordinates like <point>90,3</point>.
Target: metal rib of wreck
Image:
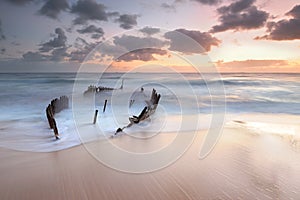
<point>146,112</point>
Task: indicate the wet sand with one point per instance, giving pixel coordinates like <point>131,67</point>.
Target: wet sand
<point>243,165</point>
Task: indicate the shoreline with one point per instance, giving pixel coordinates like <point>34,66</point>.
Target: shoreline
<point>277,124</point>
<point>242,165</point>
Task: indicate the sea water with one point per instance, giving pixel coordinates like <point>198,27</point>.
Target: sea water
<point>24,98</point>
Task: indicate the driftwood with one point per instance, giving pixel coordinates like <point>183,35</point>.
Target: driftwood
<point>92,89</point>
<point>54,107</point>
<point>146,112</point>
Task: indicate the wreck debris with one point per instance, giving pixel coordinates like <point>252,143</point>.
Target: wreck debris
<point>146,112</point>
<point>92,89</point>
<point>54,107</point>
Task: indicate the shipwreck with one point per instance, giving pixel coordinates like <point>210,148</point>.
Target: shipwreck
<point>146,112</point>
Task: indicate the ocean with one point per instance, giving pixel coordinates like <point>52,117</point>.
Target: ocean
<point>24,98</point>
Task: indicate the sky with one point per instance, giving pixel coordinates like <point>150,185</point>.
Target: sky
<point>119,36</point>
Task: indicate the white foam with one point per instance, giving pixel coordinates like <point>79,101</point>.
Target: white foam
<point>38,137</point>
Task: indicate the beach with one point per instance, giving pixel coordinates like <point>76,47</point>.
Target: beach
<point>244,164</point>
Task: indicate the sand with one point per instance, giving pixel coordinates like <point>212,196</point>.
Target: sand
<point>243,165</point>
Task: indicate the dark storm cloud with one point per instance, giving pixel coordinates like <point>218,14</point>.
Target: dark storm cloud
<point>19,2</point>
<point>89,10</point>
<point>127,21</point>
<point>149,30</point>
<point>240,15</point>
<point>208,2</point>
<point>2,36</point>
<point>191,41</point>
<point>96,32</point>
<point>287,29</point>
<point>52,8</point>
<point>132,42</point>
<point>57,42</point>
<point>146,54</point>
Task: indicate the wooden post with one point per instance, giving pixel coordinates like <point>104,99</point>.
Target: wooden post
<point>49,116</point>
<point>55,129</point>
<point>104,107</point>
<point>54,107</point>
<point>95,117</point>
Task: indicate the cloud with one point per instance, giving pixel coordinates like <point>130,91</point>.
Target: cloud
<point>286,29</point>
<point>295,12</point>
<point>127,21</point>
<point>53,50</point>
<point>208,2</point>
<point>19,2</point>
<point>59,54</point>
<point>34,56</point>
<point>2,51</point>
<point>125,48</point>
<point>236,7</point>
<point>149,30</point>
<point>121,49</point>
<point>89,10</point>
<point>195,42</point>
<point>2,36</point>
<point>15,43</point>
<point>96,32</point>
<point>112,50</point>
<point>96,36</point>
<point>83,49</point>
<point>146,54</point>
<point>80,42</point>
<point>52,8</point>
<point>57,42</point>
<point>132,42</point>
<point>169,7</point>
<point>90,29</point>
<point>240,15</point>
